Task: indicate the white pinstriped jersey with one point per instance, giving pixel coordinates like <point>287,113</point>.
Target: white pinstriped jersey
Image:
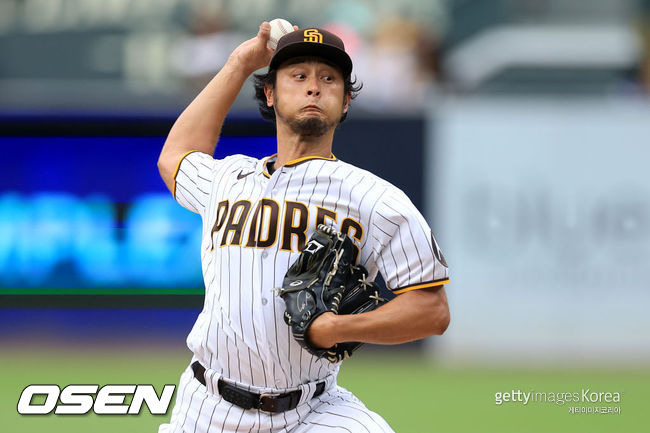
<point>254,226</point>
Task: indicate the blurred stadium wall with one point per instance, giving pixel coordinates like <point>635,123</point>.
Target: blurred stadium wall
<point>542,208</point>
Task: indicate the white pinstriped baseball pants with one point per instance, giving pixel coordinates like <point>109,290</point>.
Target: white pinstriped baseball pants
<point>198,410</point>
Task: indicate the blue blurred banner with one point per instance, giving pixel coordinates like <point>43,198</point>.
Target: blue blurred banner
<point>81,212</point>
<point>120,168</point>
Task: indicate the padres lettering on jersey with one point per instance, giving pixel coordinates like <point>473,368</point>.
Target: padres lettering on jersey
<point>295,223</point>
<point>255,224</point>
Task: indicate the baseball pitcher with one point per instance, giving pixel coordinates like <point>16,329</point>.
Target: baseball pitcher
<point>291,246</point>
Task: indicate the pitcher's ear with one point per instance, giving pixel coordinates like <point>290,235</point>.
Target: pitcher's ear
<point>268,91</point>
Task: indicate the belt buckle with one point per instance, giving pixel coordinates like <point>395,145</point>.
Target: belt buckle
<point>274,402</point>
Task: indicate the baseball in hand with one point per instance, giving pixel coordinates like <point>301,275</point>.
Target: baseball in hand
<point>279,28</point>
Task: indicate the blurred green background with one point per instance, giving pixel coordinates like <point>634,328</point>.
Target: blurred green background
<point>413,395</point>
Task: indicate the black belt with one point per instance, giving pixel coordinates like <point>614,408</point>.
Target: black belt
<point>250,400</point>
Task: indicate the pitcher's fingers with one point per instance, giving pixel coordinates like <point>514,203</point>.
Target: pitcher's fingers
<point>264,31</point>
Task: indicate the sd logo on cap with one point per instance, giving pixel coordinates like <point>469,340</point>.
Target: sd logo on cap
<point>312,35</point>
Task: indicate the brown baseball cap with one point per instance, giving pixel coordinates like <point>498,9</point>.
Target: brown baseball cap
<point>312,42</point>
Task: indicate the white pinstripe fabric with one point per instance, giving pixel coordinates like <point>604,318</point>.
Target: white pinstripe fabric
<point>336,410</point>
<point>240,333</point>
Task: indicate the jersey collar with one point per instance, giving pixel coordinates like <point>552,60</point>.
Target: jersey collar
<point>294,162</point>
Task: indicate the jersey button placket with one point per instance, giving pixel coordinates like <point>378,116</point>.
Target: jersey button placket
<point>270,192</point>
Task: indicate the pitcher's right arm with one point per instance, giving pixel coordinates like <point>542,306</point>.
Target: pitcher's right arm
<point>199,126</point>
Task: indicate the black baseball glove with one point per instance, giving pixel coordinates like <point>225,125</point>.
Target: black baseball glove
<point>322,280</point>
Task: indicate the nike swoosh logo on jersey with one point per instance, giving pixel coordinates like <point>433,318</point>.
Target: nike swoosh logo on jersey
<point>241,176</point>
